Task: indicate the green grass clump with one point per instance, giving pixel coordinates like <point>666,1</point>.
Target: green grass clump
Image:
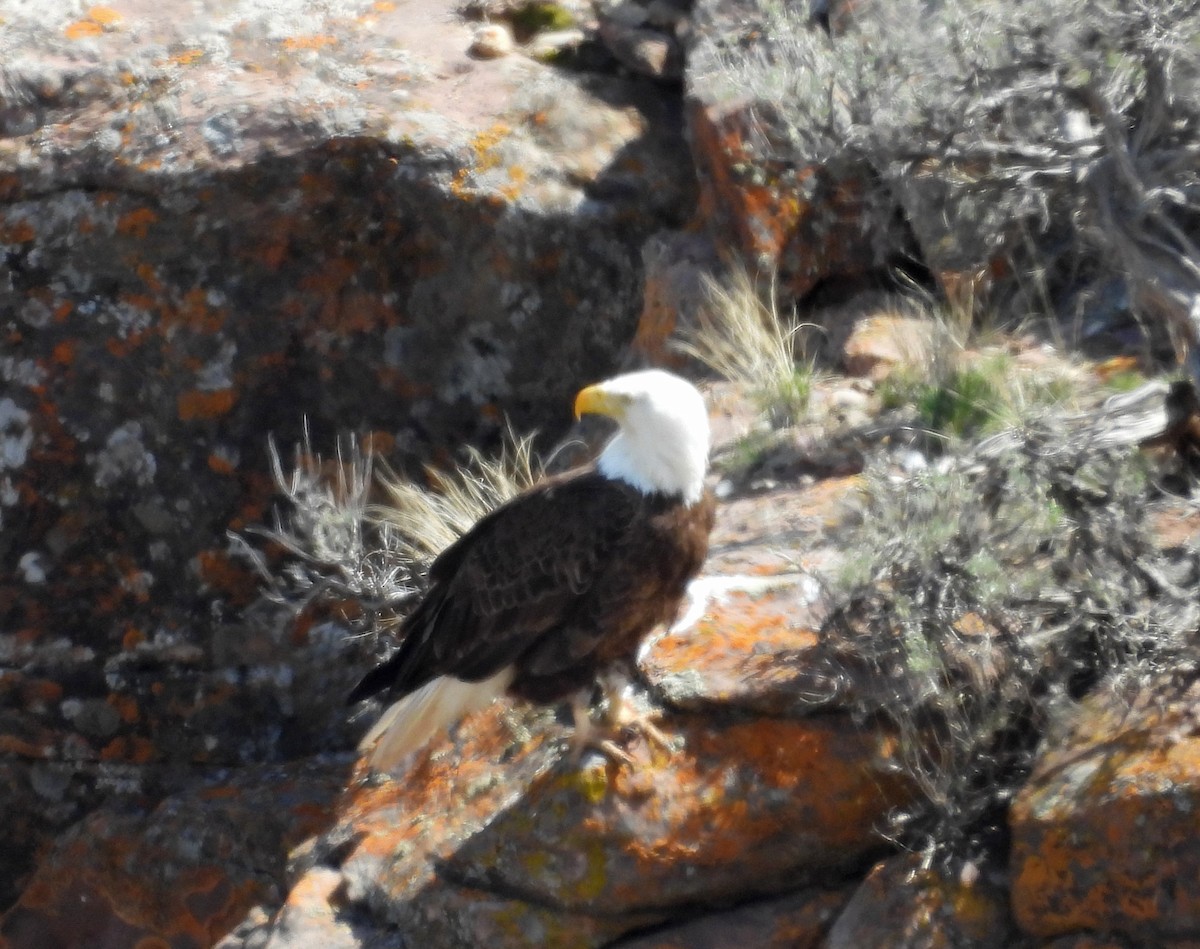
<point>785,400</point>
<point>969,400</point>
<point>1125,381</point>
<point>966,403</point>
<point>539,18</point>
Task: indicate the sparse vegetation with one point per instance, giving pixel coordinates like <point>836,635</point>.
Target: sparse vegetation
<point>970,398</point>
<point>748,451</point>
<point>1035,149</point>
<point>744,337</point>
<point>421,521</point>
<point>986,599</point>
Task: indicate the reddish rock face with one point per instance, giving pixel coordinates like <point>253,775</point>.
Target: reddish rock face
<point>806,217</point>
<point>1104,833</point>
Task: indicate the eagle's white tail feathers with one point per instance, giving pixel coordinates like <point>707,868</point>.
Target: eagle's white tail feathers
<point>408,724</point>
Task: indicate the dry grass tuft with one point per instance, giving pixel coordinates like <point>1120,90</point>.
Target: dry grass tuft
<point>422,521</point>
<point>743,337</point>
<point>342,543</point>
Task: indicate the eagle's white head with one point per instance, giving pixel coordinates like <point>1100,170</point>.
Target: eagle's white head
<point>662,441</point>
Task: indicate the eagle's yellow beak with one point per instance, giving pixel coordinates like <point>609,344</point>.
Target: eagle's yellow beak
<point>596,401</point>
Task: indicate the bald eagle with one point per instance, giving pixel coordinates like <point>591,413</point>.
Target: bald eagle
<point>562,582</point>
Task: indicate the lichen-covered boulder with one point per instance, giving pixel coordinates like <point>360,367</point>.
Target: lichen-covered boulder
<point>230,220</point>
<point>179,874</point>
<point>1105,831</point>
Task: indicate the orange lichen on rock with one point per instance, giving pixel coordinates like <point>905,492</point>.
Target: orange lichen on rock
<point>83,28</point>
<point>317,41</point>
<point>19,232</point>
<point>484,145</point>
<point>746,651</point>
<point>1105,829</point>
<point>220,464</point>
<point>232,580</point>
<point>136,223</point>
<point>64,352</point>
<point>203,404</point>
<point>598,835</point>
<point>762,222</point>
<point>126,706</point>
<point>26,747</point>
<point>105,16</point>
<point>133,749</point>
<point>187,57</point>
<point>99,891</point>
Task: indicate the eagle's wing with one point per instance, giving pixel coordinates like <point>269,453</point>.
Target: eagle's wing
<point>518,573</point>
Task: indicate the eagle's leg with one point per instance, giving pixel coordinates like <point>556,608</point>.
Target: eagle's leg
<point>587,736</point>
<point>622,719</point>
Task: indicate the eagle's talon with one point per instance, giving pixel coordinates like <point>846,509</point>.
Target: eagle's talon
<point>587,737</point>
<point>615,753</point>
<point>649,731</point>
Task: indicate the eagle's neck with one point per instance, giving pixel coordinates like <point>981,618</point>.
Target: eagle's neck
<point>656,467</point>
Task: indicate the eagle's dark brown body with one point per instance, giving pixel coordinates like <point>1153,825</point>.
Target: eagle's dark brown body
<point>559,583</point>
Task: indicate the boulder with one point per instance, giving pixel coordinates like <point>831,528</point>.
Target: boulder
<point>1104,832</point>
<point>498,834</point>
<point>182,873</point>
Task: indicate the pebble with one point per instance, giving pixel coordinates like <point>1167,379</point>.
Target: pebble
<point>491,41</point>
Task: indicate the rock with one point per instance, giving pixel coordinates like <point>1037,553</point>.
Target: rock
<point>678,265</point>
<point>647,52</point>
<point>628,14</point>
<point>470,851</point>
<point>1104,832</point>
<point>497,835</point>
<point>547,47</point>
<point>881,343</point>
<point>491,41</point>
<point>901,904</point>
<point>668,15</point>
<point>752,649</point>
<point>239,220</point>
